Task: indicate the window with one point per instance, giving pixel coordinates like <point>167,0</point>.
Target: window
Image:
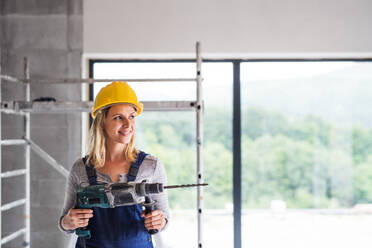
<point>306,145</point>
<point>306,154</point>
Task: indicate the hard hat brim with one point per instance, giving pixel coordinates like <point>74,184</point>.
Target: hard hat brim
<point>139,107</point>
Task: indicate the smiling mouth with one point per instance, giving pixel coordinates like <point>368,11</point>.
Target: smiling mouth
<point>125,133</point>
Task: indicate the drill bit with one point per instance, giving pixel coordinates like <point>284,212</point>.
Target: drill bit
<point>185,185</point>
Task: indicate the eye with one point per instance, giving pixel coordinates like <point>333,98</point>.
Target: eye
<point>118,117</point>
<point>132,116</point>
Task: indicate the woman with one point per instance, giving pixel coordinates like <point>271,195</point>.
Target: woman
<point>112,155</point>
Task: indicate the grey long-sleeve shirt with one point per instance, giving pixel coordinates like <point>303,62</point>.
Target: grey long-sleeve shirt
<point>151,170</point>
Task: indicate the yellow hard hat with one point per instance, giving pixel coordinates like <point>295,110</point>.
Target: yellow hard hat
<point>116,92</point>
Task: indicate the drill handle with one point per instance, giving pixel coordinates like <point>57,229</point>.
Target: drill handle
<point>82,232</point>
<point>149,207</point>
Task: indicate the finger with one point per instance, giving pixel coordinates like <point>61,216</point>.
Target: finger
<point>157,226</point>
<point>85,223</point>
<point>85,216</point>
<point>82,221</point>
<point>154,223</point>
<point>153,217</point>
<point>149,227</point>
<point>81,216</point>
<point>155,213</point>
<point>149,217</point>
<point>158,222</point>
<point>82,225</point>
<point>152,213</point>
<point>82,211</point>
<point>78,221</point>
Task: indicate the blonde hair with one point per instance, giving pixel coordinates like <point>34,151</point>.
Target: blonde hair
<point>97,142</point>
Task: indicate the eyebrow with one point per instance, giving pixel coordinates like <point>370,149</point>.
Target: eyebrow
<point>122,113</point>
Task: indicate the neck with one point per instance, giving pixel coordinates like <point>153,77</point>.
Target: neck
<point>115,152</point>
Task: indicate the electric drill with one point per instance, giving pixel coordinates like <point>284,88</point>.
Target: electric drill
<point>120,194</point>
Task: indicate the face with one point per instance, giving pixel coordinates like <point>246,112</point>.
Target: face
<point>120,124</point>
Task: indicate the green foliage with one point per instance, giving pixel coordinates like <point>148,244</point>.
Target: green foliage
<point>362,144</point>
<point>308,163</point>
<point>362,190</point>
<point>218,173</point>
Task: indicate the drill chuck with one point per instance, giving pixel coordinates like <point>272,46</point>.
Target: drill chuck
<point>154,188</point>
<point>143,189</point>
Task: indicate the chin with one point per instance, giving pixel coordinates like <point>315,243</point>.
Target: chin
<point>124,141</point>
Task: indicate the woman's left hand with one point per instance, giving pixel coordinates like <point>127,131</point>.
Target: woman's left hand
<point>154,220</point>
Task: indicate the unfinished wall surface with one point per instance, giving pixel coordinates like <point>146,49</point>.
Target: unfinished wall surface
<point>49,34</point>
<point>237,27</point>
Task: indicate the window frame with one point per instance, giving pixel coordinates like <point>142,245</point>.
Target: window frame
<point>236,96</point>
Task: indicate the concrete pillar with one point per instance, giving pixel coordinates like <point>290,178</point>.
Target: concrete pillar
<point>49,33</point>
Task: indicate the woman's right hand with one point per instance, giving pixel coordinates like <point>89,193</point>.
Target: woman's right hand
<point>76,218</point>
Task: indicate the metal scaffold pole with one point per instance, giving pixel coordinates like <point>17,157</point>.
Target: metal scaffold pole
<point>199,142</point>
<point>1,165</point>
<point>27,157</point>
<point>13,173</point>
<point>26,107</point>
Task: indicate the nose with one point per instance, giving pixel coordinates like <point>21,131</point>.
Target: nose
<point>126,122</point>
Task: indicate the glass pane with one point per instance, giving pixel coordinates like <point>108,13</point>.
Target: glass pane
<point>171,137</point>
<point>151,91</point>
<point>306,154</point>
<point>217,91</point>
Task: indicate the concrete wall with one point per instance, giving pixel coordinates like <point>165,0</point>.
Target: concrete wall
<point>236,28</point>
<point>49,33</point>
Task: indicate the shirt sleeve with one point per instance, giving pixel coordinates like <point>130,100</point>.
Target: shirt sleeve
<point>70,195</point>
<point>162,198</point>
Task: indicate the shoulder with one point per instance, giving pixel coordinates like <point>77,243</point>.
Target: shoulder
<point>150,162</point>
<point>153,162</point>
<point>151,168</point>
<point>78,168</point>
<point>78,164</point>
<point>150,158</point>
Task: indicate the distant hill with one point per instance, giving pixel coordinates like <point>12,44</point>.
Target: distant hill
<point>343,96</point>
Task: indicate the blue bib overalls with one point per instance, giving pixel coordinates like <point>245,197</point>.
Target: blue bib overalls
<point>120,227</point>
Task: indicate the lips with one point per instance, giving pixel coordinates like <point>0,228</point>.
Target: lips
<point>125,133</point>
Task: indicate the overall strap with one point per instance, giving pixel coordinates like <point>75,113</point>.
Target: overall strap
<point>91,172</point>
<point>132,174</point>
<point>133,171</point>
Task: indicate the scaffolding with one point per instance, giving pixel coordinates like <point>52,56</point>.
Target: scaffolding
<point>26,107</point>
